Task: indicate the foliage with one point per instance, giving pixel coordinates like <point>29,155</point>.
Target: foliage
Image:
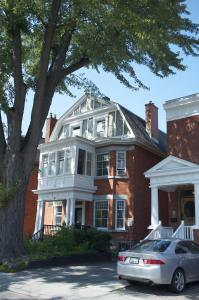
<point>69,241</point>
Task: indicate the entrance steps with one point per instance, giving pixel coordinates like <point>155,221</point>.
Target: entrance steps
<point>182,232</point>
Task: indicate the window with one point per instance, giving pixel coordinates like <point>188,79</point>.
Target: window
<point>64,132</point>
<point>58,215</point>
<point>60,162</point>
<point>100,128</point>
<point>101,214</point>
<point>111,124</point>
<point>102,164</point>
<point>155,245</point>
<point>45,165</point>
<point>119,124</point>
<point>81,162</point>
<point>121,163</point>
<point>68,162</point>
<point>120,214</point>
<point>87,128</point>
<point>89,164</point>
<point>52,165</point>
<point>76,131</point>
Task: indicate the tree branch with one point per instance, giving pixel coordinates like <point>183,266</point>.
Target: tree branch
<point>83,62</point>
<point>37,117</point>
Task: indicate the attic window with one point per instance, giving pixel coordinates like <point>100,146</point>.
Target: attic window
<point>64,132</point>
<point>100,128</point>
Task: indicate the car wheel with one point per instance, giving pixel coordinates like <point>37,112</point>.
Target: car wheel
<point>178,281</point>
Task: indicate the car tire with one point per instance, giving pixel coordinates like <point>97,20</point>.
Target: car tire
<point>178,281</point>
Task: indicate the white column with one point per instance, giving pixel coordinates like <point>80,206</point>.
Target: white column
<point>72,212</point>
<point>196,196</point>
<point>67,216</point>
<point>40,215</point>
<point>83,212</point>
<point>154,207</point>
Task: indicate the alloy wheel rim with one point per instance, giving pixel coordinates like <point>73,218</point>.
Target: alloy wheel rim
<point>179,281</point>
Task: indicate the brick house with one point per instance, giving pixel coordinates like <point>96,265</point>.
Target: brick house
<point>178,174</point>
<point>92,168</point>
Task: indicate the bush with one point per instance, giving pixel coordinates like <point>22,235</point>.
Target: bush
<point>69,241</point>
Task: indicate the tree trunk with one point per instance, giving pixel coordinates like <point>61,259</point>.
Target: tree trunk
<point>12,211</point>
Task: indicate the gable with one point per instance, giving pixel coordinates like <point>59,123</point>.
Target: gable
<point>169,164</point>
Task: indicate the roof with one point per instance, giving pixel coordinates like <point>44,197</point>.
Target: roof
<point>138,126</point>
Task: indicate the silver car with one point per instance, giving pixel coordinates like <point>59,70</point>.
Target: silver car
<point>163,261</point>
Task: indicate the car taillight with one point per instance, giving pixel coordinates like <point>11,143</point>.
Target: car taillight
<point>153,262</point>
<point>121,258</point>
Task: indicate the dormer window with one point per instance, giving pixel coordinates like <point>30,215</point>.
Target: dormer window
<point>100,128</point>
<point>76,131</point>
<point>64,132</point>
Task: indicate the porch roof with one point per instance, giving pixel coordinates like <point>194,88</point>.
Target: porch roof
<point>173,171</point>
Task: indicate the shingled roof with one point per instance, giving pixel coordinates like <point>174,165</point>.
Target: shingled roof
<point>138,126</point>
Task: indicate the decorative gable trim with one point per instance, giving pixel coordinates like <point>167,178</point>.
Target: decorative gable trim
<point>172,165</point>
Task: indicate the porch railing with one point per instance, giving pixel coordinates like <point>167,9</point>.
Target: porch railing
<point>160,232</point>
<point>46,231</point>
<point>184,232</point>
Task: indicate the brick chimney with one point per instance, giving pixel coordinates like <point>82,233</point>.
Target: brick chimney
<point>50,124</point>
<point>151,117</point>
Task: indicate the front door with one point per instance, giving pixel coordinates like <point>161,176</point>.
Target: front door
<point>78,216</point>
<point>188,210</point>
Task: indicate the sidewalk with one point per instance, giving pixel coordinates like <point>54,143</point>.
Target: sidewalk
<point>95,281</point>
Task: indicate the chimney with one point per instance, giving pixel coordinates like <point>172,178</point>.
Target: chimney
<point>151,116</point>
<point>50,124</point>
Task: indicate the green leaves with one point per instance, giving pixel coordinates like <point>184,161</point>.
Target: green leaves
<point>112,34</point>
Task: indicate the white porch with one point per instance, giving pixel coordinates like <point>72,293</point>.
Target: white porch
<point>169,175</point>
<point>73,200</point>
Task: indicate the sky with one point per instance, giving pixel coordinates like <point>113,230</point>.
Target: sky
<point>181,84</point>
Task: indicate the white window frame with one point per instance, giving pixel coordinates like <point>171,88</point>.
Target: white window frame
<point>124,215</point>
<point>104,153</point>
<point>117,167</point>
<point>42,165</point>
<point>94,223</point>
<point>55,206</point>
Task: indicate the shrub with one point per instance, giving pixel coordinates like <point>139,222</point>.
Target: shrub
<point>68,241</point>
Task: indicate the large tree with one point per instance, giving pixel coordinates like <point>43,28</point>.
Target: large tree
<point>42,45</point>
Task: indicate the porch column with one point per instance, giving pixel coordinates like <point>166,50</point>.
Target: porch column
<point>39,222</point>
<point>196,196</point>
<point>83,212</point>
<point>154,207</point>
<point>72,212</point>
<point>67,216</point>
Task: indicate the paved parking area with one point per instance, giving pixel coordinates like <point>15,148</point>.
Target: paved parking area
<point>94,281</point>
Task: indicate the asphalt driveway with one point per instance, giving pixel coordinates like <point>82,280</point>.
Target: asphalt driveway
<point>93,281</point>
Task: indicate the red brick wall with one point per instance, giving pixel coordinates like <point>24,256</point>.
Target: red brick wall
<point>183,140</point>
<point>144,160</point>
<point>30,204</point>
<point>136,187</point>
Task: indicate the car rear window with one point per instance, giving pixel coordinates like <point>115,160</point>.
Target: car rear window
<point>155,245</point>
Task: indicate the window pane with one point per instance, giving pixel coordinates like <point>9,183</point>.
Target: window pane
<point>45,165</point>
<point>101,213</point>
<point>119,124</point>
<point>121,161</point>
<point>51,168</point>
<point>81,162</point>
<point>102,164</point>
<point>120,214</point>
<point>111,124</point>
<point>100,130</point>
<point>84,128</point>
<point>89,164</point>
<point>68,162</point>
<point>60,162</point>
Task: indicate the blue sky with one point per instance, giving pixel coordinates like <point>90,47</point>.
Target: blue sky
<point>178,85</point>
